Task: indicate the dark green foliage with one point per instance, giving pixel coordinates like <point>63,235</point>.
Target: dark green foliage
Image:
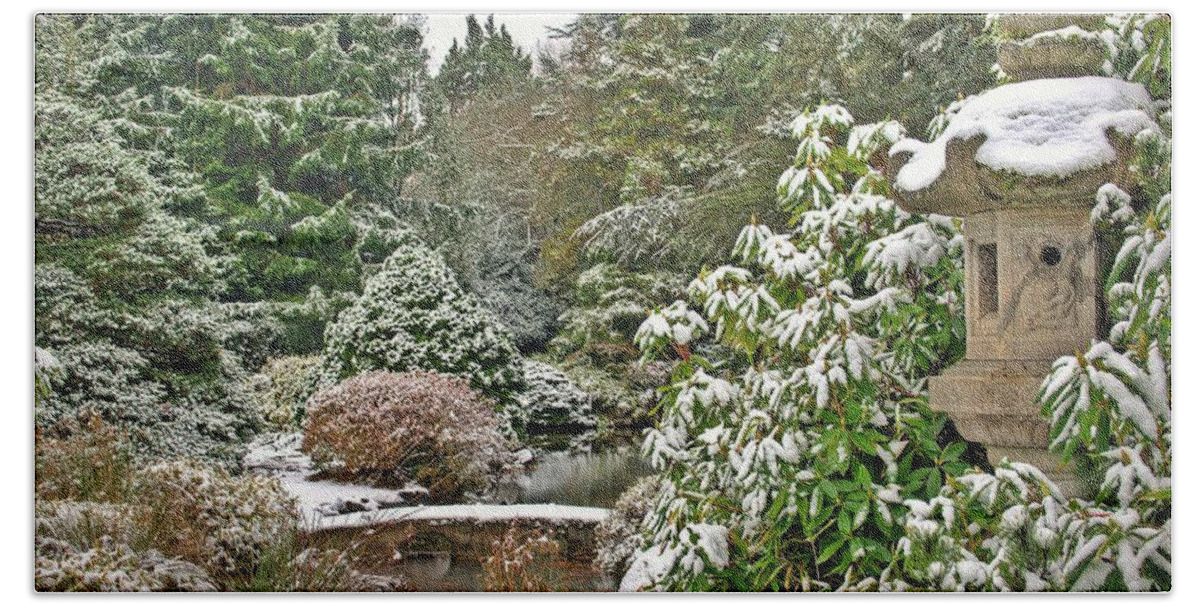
<point>487,64</point>
<point>413,315</point>
<point>123,295</point>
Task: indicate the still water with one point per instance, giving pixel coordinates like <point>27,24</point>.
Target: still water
<point>573,478</point>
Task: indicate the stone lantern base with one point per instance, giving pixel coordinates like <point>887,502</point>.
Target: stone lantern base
<point>994,403</point>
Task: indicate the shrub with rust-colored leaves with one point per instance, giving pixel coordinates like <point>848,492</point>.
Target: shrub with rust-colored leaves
<point>393,428</point>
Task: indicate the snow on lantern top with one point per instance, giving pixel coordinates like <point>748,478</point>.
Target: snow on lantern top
<point>1047,142</point>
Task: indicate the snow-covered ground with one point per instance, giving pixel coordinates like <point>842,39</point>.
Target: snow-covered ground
<point>280,456</point>
<point>328,505</point>
<point>465,513</point>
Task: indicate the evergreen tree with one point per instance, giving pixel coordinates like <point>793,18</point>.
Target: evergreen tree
<point>302,128</point>
<point>413,315</point>
<point>124,294</point>
<point>488,64</point>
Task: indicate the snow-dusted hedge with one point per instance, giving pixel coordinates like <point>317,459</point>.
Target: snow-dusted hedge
<point>413,315</point>
<point>282,386</point>
<point>551,401</point>
<point>395,428</point>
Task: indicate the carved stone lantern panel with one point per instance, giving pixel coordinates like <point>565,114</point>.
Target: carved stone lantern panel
<point>1032,276</point>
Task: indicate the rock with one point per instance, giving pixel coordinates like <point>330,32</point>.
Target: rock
<point>525,456</point>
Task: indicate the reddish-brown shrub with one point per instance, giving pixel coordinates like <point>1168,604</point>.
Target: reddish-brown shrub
<point>392,428</point>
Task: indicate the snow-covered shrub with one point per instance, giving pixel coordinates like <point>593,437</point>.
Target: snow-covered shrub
<point>596,346</point>
<point>785,466</point>
<point>551,401</point>
<point>112,566</point>
<point>413,315</point>
<point>618,536</point>
<point>640,231</point>
<point>620,399</point>
<point>45,367</point>
<point>83,523</point>
<point>610,302</point>
<point>282,386</point>
<point>250,330</point>
<point>527,312</point>
<point>210,517</point>
<point>1013,531</point>
<point>395,428</point>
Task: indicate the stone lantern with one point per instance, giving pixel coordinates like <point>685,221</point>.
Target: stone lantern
<point>1021,164</point>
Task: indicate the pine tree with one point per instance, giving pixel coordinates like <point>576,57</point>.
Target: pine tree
<point>488,65</point>
<point>302,128</point>
<point>124,290</point>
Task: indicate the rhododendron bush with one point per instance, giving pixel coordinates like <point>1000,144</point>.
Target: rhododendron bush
<point>809,460</point>
<point>786,465</point>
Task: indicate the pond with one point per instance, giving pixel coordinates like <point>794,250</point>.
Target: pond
<point>588,479</point>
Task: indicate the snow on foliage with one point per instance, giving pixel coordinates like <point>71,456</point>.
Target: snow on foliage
<point>112,566</point>
<point>1110,412</point>
<point>618,536</point>
<point>123,293</point>
<point>234,517</point>
<point>821,430</point>
<point>551,401</point>
<point>397,428</point>
<point>610,304</point>
<point>282,386</point>
<point>635,232</point>
<point>413,315</point>
<point>1051,127</point>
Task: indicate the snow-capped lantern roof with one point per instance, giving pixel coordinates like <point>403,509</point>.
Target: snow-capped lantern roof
<point>1048,142</point>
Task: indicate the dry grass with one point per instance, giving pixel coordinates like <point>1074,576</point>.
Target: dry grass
<point>521,561</point>
<point>84,460</point>
<point>103,525</point>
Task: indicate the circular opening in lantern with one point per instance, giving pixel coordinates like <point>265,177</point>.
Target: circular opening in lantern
<point>1051,256</point>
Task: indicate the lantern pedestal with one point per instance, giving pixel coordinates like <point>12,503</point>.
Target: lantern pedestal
<point>991,403</point>
<point>1021,164</point>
